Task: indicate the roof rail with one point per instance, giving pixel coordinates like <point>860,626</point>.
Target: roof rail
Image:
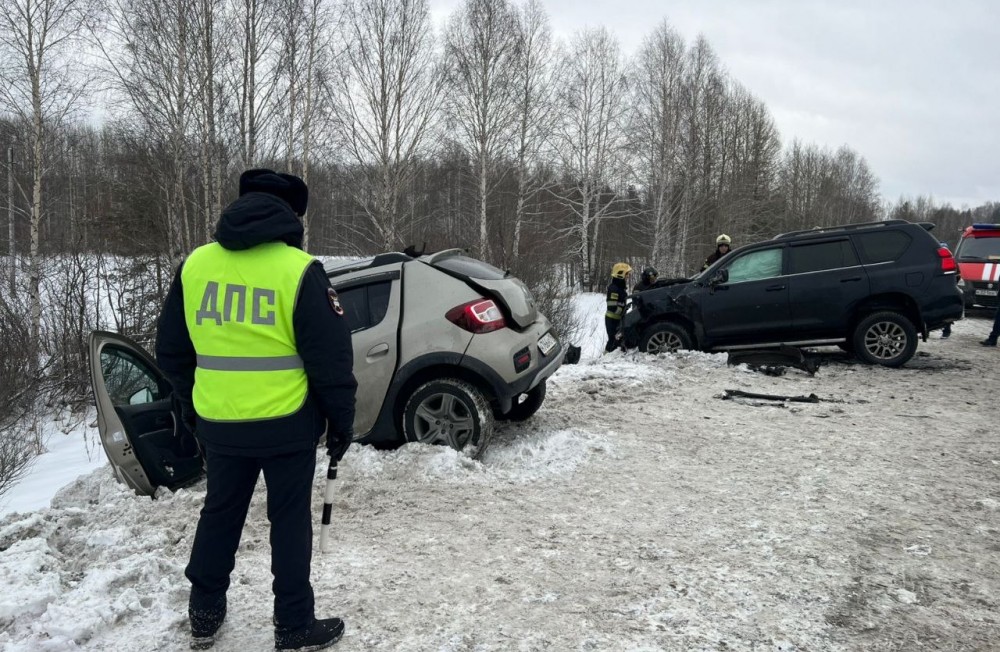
<point>838,227</point>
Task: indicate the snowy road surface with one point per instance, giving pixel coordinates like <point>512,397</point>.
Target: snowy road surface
<point>637,512</point>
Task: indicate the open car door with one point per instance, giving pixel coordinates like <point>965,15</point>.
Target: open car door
<point>146,442</point>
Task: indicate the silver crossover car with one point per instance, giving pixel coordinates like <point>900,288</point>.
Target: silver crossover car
<point>444,345</point>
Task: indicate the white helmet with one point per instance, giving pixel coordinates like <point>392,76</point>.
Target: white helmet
<point>723,240</point>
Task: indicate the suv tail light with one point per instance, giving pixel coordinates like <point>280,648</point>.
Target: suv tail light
<point>479,316</point>
<point>948,264</point>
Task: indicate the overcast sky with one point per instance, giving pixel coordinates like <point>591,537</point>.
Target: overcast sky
<point>911,85</point>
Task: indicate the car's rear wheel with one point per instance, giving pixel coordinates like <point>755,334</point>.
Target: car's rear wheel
<point>451,412</point>
<point>885,338</point>
<point>526,409</point>
<point>664,337</point>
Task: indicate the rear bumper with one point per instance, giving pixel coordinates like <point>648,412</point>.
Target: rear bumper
<point>941,311</point>
<point>505,391</point>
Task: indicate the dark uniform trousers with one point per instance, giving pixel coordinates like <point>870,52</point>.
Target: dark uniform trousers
<point>231,482</point>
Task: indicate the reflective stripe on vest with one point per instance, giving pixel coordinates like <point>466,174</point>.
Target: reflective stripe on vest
<point>238,306</point>
<point>236,363</point>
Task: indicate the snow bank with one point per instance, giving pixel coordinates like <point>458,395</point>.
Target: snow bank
<point>636,512</point>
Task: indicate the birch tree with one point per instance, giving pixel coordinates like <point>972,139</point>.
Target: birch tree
<point>590,138</point>
<point>702,94</point>
<point>535,76</point>
<point>213,32</point>
<point>482,49</point>
<point>655,133</point>
<point>154,70</point>
<point>41,81</point>
<point>254,78</point>
<point>305,67</point>
<point>386,96</point>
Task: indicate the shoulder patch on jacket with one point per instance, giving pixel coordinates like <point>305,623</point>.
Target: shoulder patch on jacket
<point>331,294</point>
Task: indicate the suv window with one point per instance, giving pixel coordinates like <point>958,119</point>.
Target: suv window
<point>756,265</point>
<point>820,256</point>
<point>471,268</point>
<point>882,246</point>
<point>365,305</point>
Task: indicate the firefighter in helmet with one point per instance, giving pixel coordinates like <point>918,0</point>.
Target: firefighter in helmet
<point>647,280</point>
<point>723,244</point>
<point>617,298</point>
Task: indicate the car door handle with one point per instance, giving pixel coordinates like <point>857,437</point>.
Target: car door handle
<point>774,288</point>
<point>378,350</point>
<point>851,279</point>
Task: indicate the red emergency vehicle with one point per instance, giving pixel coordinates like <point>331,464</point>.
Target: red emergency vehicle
<point>978,256</point>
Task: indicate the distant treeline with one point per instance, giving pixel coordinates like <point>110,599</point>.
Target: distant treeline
<point>487,134</point>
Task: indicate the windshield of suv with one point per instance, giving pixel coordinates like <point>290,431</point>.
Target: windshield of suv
<point>470,268</point>
<point>978,249</point>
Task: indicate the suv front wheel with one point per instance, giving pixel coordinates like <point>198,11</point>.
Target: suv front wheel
<point>885,338</point>
<point>451,412</point>
<point>664,338</point>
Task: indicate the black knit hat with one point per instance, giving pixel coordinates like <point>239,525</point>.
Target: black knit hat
<point>285,186</point>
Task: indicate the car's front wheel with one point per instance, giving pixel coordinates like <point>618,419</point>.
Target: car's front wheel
<point>885,338</point>
<point>451,412</point>
<point>664,338</point>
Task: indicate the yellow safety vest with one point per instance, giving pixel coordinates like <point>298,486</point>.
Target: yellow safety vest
<point>238,306</point>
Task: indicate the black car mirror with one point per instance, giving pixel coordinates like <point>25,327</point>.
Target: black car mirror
<point>720,277</point>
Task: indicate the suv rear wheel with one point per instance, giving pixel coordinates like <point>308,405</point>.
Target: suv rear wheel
<point>664,337</point>
<point>451,412</point>
<point>885,338</point>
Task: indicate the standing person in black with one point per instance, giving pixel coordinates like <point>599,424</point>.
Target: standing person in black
<point>991,339</point>
<point>617,297</point>
<point>723,245</point>
<point>647,280</point>
<point>254,340</point>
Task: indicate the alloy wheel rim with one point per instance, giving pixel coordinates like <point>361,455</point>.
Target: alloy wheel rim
<point>665,342</point>
<point>885,340</point>
<point>444,418</point>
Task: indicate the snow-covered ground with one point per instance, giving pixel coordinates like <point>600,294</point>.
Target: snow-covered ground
<point>638,511</point>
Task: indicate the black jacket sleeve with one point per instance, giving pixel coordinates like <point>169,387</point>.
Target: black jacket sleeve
<point>175,353</point>
<point>324,342</point>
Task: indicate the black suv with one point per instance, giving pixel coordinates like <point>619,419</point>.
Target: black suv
<point>870,288</point>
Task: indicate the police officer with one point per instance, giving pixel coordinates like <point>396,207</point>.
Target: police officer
<point>253,339</point>
<point>723,244</point>
<point>647,280</point>
<point>617,298</point>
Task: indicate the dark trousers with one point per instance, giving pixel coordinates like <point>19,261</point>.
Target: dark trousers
<point>995,333</point>
<point>612,326</point>
<point>231,481</point>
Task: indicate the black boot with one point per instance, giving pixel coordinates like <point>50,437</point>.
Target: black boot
<point>989,341</point>
<point>205,623</point>
<point>320,635</point>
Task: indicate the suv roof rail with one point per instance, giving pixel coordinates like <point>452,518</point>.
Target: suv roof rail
<point>839,227</point>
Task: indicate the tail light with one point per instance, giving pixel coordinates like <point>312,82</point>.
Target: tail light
<point>948,264</point>
<point>479,316</point>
